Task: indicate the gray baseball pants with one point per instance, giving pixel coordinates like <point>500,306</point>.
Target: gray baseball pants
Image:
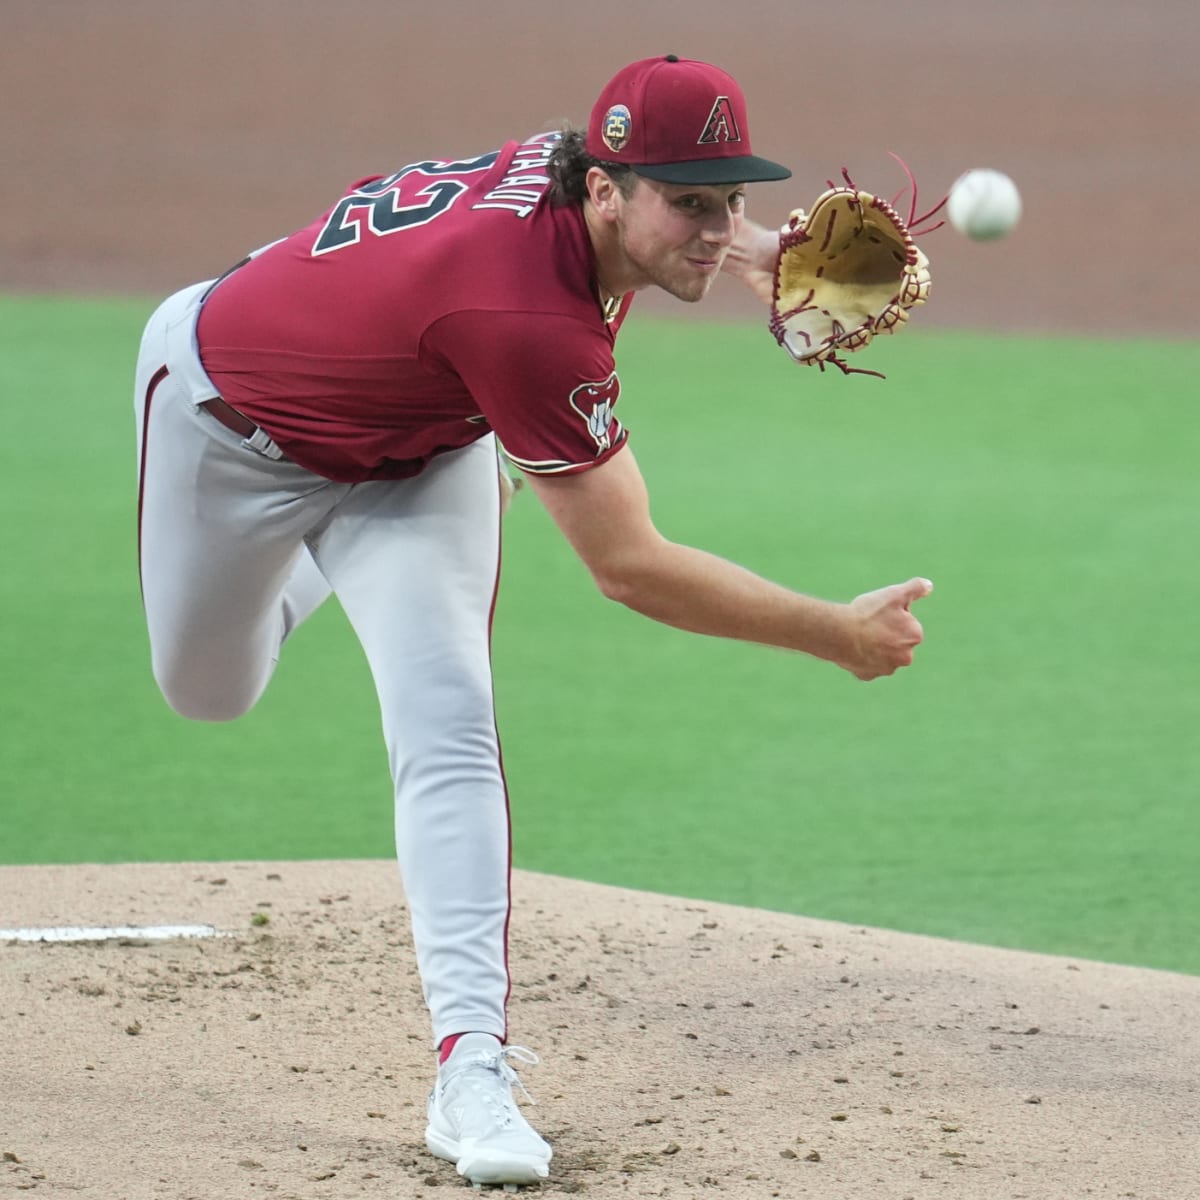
<point>238,546</point>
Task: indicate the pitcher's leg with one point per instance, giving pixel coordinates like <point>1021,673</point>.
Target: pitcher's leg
<point>224,569</point>
<point>415,566</point>
<point>304,592</point>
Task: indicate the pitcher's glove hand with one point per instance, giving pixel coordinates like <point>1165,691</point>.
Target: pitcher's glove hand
<point>847,270</point>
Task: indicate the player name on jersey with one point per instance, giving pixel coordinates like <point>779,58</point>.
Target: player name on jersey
<point>519,190</point>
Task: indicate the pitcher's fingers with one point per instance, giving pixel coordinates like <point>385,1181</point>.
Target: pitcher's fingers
<point>915,589</point>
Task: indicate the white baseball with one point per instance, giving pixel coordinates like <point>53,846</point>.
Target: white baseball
<point>984,204</point>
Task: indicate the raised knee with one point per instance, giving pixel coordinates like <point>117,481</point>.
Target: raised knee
<point>203,708</point>
<point>206,712</point>
<point>199,701</point>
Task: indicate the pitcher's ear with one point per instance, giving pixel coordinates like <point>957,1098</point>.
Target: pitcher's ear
<point>602,192</point>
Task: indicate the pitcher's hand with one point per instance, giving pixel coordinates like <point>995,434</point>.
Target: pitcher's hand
<point>886,631</point>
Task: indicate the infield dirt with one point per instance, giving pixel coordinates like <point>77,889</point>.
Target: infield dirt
<point>688,1048</point>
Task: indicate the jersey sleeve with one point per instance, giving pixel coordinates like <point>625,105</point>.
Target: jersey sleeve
<point>545,384</point>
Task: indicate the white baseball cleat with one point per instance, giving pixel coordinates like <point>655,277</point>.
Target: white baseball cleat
<point>474,1121</point>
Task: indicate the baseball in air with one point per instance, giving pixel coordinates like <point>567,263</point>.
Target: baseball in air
<point>984,204</point>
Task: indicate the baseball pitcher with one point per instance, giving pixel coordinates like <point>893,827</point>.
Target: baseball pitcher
<point>324,418</point>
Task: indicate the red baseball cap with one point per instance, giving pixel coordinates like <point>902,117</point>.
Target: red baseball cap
<point>678,121</point>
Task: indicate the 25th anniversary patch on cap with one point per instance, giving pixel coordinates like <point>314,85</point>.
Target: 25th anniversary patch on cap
<point>618,125</point>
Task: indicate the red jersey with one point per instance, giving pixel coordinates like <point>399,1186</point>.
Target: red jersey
<point>423,310</point>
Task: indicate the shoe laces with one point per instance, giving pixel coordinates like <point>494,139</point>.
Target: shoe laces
<point>521,1054</point>
<point>498,1063</point>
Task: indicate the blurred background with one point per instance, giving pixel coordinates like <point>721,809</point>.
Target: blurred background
<point>149,143</point>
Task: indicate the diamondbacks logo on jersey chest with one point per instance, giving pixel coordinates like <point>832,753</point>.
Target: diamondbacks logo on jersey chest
<point>594,403</point>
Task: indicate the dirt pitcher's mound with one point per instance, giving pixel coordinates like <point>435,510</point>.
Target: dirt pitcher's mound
<point>688,1048</point>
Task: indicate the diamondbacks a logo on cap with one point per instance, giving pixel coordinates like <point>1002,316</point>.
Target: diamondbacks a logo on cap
<point>618,125</point>
<point>721,125</point>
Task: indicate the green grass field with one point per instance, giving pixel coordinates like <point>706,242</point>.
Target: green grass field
<point>1031,782</point>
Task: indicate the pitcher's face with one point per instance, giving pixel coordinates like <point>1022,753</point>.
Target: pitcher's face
<point>676,236</point>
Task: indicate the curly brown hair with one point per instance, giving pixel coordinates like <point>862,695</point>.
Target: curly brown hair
<point>569,164</point>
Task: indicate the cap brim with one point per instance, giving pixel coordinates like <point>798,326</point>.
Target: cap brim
<point>714,171</point>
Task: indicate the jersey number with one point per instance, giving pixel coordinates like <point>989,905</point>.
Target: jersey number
<point>397,202</point>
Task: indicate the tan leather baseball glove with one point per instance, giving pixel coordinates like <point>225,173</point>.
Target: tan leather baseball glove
<point>847,270</point>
